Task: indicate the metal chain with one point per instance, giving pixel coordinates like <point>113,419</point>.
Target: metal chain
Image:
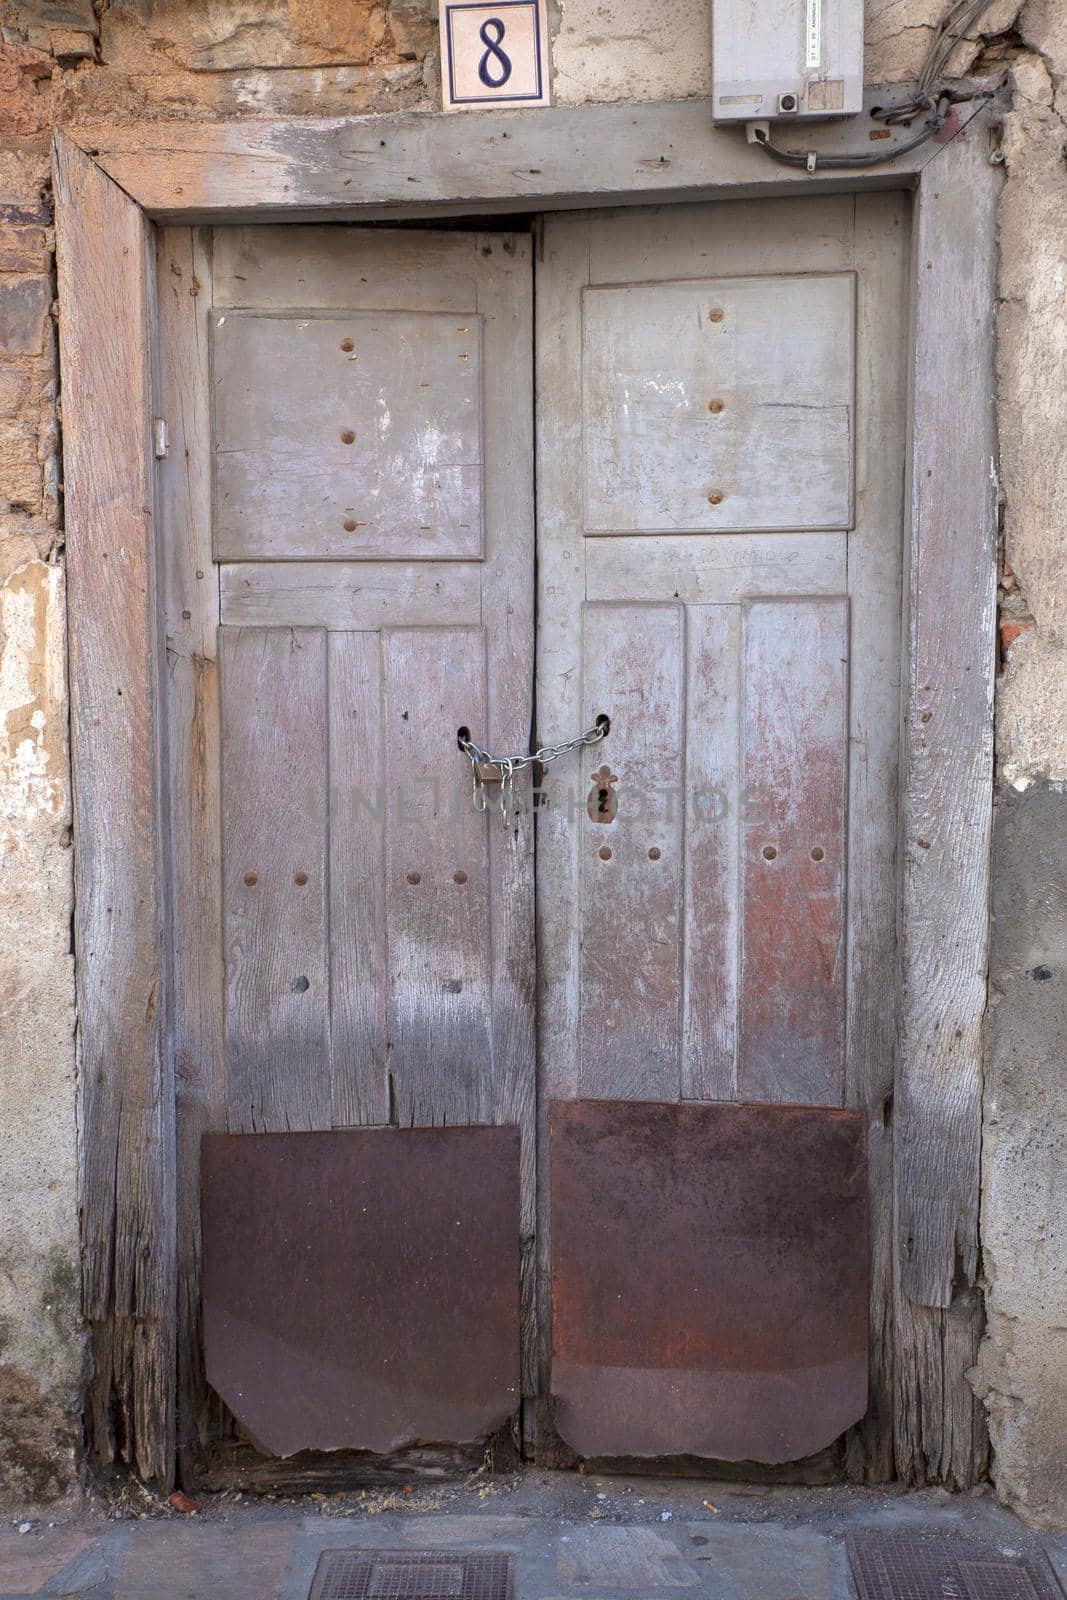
<point>509,766</point>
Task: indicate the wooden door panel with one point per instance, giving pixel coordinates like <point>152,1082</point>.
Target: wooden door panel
<point>437,882</point>
<point>359,1039</point>
<point>715,569</point>
<point>274,851</point>
<point>350,594</point>
<point>749,424</point>
<point>712,807</point>
<point>794,758</point>
<point>344,436</point>
<point>633,663</point>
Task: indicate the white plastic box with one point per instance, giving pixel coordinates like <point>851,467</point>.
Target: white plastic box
<point>786,59</point>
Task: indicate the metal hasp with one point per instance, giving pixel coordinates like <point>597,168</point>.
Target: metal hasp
<point>361,1288</point>
<point>917,1566</point>
<point>709,1278</point>
<point>403,1575</point>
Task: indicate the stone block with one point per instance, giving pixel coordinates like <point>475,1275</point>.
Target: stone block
<point>24,308</point>
<point>22,248</point>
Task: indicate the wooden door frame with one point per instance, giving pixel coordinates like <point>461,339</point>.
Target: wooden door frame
<point>112,185</point>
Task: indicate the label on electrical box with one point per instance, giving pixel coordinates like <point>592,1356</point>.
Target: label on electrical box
<point>813,50</point>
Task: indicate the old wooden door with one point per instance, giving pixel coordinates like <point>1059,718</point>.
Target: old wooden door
<point>721,414</point>
<point>348,578</point>
<point>347,550</point>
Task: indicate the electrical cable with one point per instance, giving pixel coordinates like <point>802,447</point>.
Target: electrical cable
<point>930,95</point>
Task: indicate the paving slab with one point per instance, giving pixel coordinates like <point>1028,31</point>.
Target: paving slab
<point>206,1563</point>
<point>623,1558</point>
<point>28,1561</point>
<point>574,1536</point>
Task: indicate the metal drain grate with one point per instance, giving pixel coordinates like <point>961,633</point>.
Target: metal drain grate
<point>403,1575</point>
<point>945,1567</point>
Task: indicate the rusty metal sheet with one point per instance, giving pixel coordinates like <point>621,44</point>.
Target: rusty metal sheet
<point>709,1278</point>
<point>361,1288</point>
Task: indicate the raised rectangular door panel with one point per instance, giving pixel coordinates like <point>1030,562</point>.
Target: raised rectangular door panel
<point>343,436</point>
<point>747,426</point>
<point>365,944</point>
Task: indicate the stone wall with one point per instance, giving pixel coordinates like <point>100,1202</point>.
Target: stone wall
<point>72,60</point>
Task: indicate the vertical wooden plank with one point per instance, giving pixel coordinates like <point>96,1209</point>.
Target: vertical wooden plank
<point>947,810</point>
<point>357,800</point>
<point>560,594</point>
<point>126,1107</point>
<point>633,668</point>
<point>875,573</point>
<point>794,758</point>
<point>190,603</point>
<point>712,797</point>
<point>562,270</point>
<point>505,303</point>
<point>274,878</point>
<point>436,879</point>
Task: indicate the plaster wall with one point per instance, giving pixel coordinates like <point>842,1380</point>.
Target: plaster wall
<point>76,60</point>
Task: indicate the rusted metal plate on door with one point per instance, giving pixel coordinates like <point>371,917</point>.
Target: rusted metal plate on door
<point>361,1288</point>
<point>709,1278</point>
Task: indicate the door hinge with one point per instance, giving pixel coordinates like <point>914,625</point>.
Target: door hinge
<point>160,441</point>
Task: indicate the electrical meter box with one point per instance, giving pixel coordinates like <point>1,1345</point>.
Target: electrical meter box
<point>786,58</point>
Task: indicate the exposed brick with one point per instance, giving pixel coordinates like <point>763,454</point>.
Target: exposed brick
<point>22,249</point>
<point>1011,628</point>
<point>24,307</point>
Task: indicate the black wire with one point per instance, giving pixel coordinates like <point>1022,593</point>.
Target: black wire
<point>959,17</point>
<point>869,158</point>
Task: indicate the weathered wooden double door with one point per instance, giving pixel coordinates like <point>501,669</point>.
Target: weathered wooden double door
<point>697,914</point>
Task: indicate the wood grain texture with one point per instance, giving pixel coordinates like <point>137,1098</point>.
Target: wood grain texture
<point>750,428</point>
<point>332,268</point>
<point>359,1071</point>
<point>190,603</point>
<point>947,811</point>
<point>571,154</point>
<point>350,596</point>
<point>436,879</point>
<point>875,577</point>
<point>633,671</point>
<point>357,434</point>
<point>275,864</point>
<point>506,306</point>
<point>794,744</point>
<point>715,569</point>
<point>712,802</point>
<point>126,1131</point>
